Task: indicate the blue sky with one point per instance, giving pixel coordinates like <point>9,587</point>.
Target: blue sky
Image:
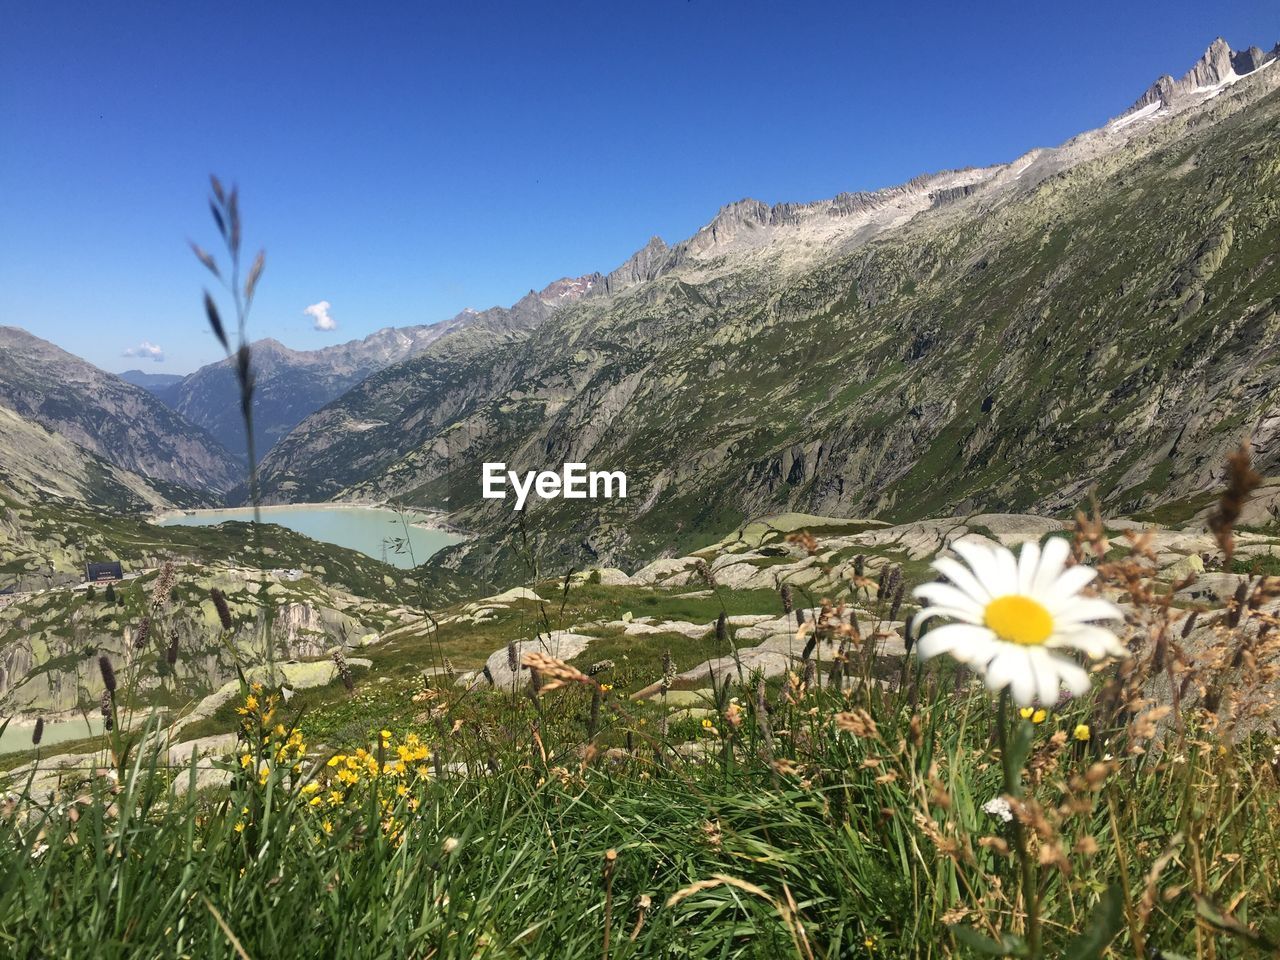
<point>403,161</point>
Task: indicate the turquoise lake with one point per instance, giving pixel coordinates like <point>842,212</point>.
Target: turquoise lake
<point>373,531</point>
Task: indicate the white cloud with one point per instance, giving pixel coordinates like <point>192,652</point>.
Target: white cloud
<point>147,351</point>
<point>319,313</point>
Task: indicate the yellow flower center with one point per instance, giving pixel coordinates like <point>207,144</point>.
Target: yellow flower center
<point>1019,619</point>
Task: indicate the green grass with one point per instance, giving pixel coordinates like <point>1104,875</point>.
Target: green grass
<point>1261,566</point>
<point>828,855</point>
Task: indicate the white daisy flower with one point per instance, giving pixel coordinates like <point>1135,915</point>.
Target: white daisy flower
<point>1012,615</point>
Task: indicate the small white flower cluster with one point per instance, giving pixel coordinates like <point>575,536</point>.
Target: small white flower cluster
<point>998,807</point>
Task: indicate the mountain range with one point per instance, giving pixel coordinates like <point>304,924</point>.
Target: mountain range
<point>292,384</point>
<point>154,439</point>
<point>1098,315</point>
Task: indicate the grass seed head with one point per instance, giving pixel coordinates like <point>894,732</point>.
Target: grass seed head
<point>224,612</point>
<point>108,674</point>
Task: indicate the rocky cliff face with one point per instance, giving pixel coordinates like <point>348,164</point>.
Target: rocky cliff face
<point>1100,313</point>
<point>41,464</point>
<point>103,414</point>
<point>292,384</point>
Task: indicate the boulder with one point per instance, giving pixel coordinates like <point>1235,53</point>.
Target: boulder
<point>671,571</point>
<point>511,596</point>
<point>1012,529</point>
<point>1213,587</point>
<point>560,644</point>
<point>1184,567</point>
<point>920,539</point>
<point>296,676</point>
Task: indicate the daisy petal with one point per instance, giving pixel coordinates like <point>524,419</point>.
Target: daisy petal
<point>1085,609</point>
<point>1008,566</point>
<point>945,595</point>
<point>982,560</point>
<point>1022,683</point>
<point>1028,561</point>
<point>1053,557</point>
<point>963,578</point>
<point>1045,668</point>
<point>1071,675</point>
<point>1094,642</point>
<point>964,616</point>
<point>1003,667</point>
<point>1068,585</point>
<point>965,642</point>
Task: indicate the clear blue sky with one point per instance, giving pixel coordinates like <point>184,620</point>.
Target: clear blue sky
<point>403,161</point>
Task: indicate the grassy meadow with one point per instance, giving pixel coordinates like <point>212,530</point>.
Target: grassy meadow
<point>902,813</point>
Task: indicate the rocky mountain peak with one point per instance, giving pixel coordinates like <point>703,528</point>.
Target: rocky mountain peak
<point>568,289</point>
<point>1214,67</point>
<point>1247,61</point>
<point>645,264</point>
<point>1219,67</point>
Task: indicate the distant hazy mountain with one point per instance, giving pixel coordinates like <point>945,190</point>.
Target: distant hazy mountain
<point>1105,312</point>
<point>154,382</point>
<point>118,421</point>
<point>292,384</point>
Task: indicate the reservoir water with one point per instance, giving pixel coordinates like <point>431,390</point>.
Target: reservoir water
<point>374,531</point>
<point>17,736</point>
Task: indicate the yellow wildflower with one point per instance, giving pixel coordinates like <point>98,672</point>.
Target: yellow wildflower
<point>1081,732</point>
